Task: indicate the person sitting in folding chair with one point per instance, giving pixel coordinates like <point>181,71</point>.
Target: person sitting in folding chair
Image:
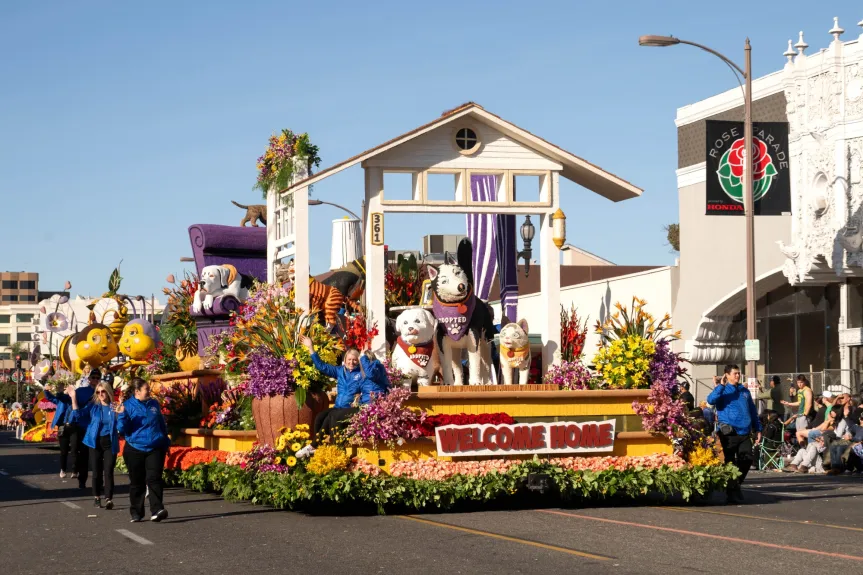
<point>772,438</point>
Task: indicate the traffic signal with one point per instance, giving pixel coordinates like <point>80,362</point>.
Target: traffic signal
<point>17,362</point>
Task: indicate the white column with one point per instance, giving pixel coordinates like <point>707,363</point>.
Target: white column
<point>302,260</point>
<point>271,236</point>
<point>549,282</point>
<point>375,288</point>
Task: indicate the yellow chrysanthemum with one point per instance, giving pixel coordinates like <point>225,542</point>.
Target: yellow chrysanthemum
<point>291,461</point>
<point>296,447</point>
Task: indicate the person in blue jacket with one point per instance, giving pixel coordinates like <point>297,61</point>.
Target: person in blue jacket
<point>737,419</point>
<point>101,437</point>
<point>140,421</point>
<point>359,375</point>
<point>72,434</point>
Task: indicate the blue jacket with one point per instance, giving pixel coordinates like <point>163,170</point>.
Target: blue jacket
<point>95,412</point>
<point>351,382</point>
<point>143,426</point>
<point>735,407</point>
<point>63,415</point>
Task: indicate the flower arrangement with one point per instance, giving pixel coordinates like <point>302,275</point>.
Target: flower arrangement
<point>46,405</point>
<point>434,421</point>
<point>266,342</point>
<point>159,362</point>
<point>403,281</point>
<point>569,375</point>
<point>624,363</point>
<point>326,459</point>
<point>222,416</point>
<point>185,457</point>
<point>395,376</point>
<point>180,404</point>
<point>634,322</point>
<point>573,332</point>
<point>276,166</point>
<point>179,330</point>
<point>704,455</point>
<point>386,419</point>
<point>357,333</point>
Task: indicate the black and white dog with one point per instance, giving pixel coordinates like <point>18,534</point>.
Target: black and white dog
<point>463,320</point>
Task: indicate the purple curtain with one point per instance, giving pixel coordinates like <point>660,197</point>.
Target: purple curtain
<point>481,232</point>
<point>507,265</point>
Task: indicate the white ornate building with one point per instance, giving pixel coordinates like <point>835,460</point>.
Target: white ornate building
<point>809,264</point>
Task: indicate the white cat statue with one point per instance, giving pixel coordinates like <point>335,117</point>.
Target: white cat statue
<point>514,351</point>
<point>415,352</point>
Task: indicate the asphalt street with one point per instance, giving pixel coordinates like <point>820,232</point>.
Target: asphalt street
<point>790,523</point>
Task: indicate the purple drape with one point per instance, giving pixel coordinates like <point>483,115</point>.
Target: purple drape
<point>507,265</point>
<point>481,232</point>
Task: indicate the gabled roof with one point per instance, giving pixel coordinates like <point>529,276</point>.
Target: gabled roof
<point>575,168</point>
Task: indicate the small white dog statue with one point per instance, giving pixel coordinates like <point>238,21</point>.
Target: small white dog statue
<point>514,351</point>
<point>217,281</point>
<point>415,352</point>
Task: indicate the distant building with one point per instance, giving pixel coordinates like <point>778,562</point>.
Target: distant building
<point>440,243</point>
<point>19,287</point>
<point>18,324</point>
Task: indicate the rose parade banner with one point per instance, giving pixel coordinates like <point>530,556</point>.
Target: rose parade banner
<point>726,155</point>
<point>525,438</point>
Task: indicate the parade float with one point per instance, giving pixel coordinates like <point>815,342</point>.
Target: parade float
<point>486,407</point>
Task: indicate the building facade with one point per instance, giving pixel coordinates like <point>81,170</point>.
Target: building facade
<point>18,324</point>
<point>19,287</point>
<point>809,263</point>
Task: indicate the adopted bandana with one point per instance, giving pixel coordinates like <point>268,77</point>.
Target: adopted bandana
<point>419,354</point>
<point>455,317</point>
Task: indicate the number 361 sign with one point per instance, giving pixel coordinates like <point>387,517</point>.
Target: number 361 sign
<point>377,229</point>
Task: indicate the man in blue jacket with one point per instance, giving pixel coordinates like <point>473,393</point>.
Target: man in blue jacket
<point>737,418</point>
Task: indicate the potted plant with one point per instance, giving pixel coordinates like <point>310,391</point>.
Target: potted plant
<point>285,387</point>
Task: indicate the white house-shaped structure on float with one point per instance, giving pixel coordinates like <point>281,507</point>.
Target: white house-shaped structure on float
<point>405,174</point>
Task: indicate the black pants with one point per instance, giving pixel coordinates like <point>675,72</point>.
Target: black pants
<point>67,456</point>
<point>145,472</point>
<point>81,458</point>
<point>737,450</point>
<point>331,420</point>
<point>102,461</point>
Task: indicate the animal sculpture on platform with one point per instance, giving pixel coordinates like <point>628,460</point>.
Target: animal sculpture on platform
<point>285,273</point>
<point>327,300</point>
<point>219,281</point>
<point>514,351</point>
<point>254,214</point>
<point>415,353</point>
<point>350,280</point>
<point>463,320</point>
<point>94,346</point>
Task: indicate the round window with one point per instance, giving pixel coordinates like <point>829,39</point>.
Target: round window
<point>466,139</point>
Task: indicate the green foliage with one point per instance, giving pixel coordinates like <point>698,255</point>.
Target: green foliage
<point>672,236</point>
<point>386,493</point>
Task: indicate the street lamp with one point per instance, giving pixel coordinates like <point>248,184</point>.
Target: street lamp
<point>527,232</point>
<point>748,203</point>
<point>319,202</point>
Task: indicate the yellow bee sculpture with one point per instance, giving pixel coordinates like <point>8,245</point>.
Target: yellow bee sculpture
<point>138,340</point>
<point>93,346</point>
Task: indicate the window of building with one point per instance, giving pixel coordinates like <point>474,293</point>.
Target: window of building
<point>27,284</point>
<point>466,140</point>
<point>24,317</point>
<point>5,319</point>
<point>10,284</point>
<point>10,298</point>
<point>27,298</point>
<point>24,336</point>
<point>5,356</point>
<point>5,339</point>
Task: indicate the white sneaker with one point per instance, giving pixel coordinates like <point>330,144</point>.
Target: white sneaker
<point>62,475</point>
<point>306,451</point>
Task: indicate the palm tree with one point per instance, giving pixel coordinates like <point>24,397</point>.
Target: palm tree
<point>18,348</point>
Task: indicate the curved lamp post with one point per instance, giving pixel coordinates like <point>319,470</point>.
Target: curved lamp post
<point>749,204</point>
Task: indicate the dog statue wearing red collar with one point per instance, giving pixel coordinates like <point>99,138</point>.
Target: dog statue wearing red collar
<point>415,352</point>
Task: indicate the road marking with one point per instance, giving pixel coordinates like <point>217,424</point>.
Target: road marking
<point>133,537</point>
<point>70,505</point>
<point>507,538</point>
<point>743,516</point>
<point>706,535</point>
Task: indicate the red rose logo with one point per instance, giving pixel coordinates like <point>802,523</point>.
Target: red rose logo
<point>760,158</point>
<point>732,167</point>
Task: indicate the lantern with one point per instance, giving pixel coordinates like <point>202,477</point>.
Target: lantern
<point>558,228</point>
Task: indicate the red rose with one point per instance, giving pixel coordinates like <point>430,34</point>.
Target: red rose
<point>760,158</point>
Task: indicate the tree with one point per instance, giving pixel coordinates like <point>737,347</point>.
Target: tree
<point>19,348</point>
<point>672,236</point>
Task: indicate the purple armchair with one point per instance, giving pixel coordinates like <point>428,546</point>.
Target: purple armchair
<point>243,248</point>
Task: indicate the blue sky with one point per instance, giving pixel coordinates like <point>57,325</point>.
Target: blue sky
<point>123,123</point>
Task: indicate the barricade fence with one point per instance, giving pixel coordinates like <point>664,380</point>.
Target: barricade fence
<point>835,380</point>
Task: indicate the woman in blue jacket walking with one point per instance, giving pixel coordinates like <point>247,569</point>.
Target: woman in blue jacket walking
<point>361,375</point>
<point>100,421</point>
<point>141,423</point>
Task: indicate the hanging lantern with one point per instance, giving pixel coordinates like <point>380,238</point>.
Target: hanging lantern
<point>558,228</point>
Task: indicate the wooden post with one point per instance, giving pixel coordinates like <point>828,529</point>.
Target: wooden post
<point>375,264</point>
<point>302,259</point>
<point>549,280</point>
